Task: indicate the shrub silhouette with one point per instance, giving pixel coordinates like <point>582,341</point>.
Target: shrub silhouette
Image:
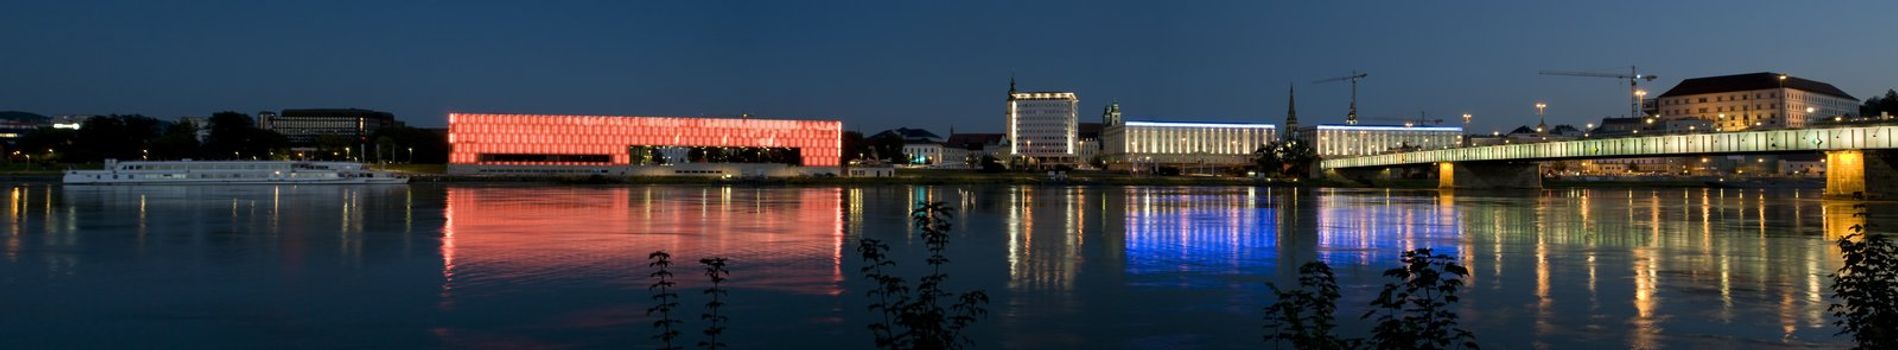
<point>1415,312</point>
<point>914,318</point>
<point>1304,317</point>
<point>665,298</point>
<point>1867,289</point>
<point>715,322</point>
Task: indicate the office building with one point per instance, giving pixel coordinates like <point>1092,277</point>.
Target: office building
<point>1335,140</point>
<point>1147,144</point>
<point>1755,101</point>
<point>1042,126</point>
<point>307,126</point>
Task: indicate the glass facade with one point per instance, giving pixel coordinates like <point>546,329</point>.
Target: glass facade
<point>577,140</point>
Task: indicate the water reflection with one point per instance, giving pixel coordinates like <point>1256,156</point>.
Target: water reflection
<point>789,240</point>
<point>1070,267</point>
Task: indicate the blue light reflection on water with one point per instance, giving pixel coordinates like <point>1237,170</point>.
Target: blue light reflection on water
<point>1070,267</point>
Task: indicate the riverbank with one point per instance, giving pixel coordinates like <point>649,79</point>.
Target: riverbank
<point>960,179</point>
<point>436,173</point>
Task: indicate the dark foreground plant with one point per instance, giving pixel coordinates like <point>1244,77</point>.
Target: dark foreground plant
<point>663,297</point>
<point>1416,312</point>
<point>665,300</point>
<point>915,318</point>
<point>1304,317</point>
<point>715,323</point>
<point>1867,289</point>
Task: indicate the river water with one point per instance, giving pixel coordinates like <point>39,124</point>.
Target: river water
<point>433,266</point>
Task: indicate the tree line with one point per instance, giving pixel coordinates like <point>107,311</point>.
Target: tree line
<point>227,136</point>
<point>1877,104</point>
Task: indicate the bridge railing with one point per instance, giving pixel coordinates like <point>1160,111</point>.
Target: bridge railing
<point>1765,141</point>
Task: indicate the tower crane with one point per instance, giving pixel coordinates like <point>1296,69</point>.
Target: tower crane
<point>1634,78</point>
<point>1352,117</point>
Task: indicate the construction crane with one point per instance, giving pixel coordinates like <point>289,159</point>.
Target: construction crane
<point>1352,117</point>
<point>1634,78</point>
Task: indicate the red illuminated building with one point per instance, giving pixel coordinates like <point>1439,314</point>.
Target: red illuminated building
<point>626,145</point>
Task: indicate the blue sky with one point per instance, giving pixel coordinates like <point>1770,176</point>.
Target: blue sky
<point>930,64</point>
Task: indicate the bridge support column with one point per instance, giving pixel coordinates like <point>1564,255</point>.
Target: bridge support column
<point>1489,175</point>
<point>1861,174</point>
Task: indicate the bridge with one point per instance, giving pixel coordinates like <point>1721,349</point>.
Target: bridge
<point>1859,160</point>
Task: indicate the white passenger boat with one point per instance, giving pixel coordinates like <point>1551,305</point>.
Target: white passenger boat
<point>189,172</point>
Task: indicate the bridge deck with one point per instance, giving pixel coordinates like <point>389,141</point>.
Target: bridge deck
<point>1768,141</point>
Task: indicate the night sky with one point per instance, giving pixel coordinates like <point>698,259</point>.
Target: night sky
<point>931,64</point>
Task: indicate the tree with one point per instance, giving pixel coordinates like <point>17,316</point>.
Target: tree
<point>124,137</point>
<point>385,147</point>
<point>177,142</point>
<point>1877,104</point>
<point>235,136</point>
<point>854,146</point>
<point>41,145</point>
<point>1286,158</point>
<point>887,148</point>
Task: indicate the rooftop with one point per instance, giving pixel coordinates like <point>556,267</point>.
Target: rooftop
<point>1385,127</point>
<point>1751,81</point>
<point>974,140</point>
<point>1041,95</point>
<point>1197,124</point>
<point>910,134</point>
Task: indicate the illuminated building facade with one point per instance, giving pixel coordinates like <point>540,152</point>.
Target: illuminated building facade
<point>650,146</point>
<point>1042,126</point>
<point>1136,144</point>
<point>305,126</point>
<point>1755,101</point>
<point>1333,140</point>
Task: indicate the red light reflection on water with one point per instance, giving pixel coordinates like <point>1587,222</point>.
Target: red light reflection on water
<point>501,240</point>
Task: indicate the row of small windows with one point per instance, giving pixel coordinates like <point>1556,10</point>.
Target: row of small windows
<point>1720,98</point>
<point>1683,111</point>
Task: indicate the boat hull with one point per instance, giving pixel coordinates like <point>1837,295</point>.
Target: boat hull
<point>76,180</point>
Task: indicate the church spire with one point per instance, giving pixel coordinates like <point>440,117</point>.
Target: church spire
<point>1291,111</point>
<point>1111,114</point>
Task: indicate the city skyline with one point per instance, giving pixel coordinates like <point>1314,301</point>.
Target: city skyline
<point>914,65</point>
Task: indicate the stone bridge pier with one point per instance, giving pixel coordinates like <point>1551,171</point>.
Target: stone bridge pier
<point>1862,174</point>
<point>1497,174</point>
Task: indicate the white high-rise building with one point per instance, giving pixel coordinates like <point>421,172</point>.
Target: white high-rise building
<point>1042,126</point>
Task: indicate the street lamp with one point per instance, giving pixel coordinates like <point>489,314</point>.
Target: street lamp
<point>1541,123</point>
<point>411,154</point>
<point>1641,96</point>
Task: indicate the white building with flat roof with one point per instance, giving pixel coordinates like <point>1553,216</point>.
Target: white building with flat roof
<point>1042,125</point>
<point>1183,143</point>
<point>1335,140</point>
